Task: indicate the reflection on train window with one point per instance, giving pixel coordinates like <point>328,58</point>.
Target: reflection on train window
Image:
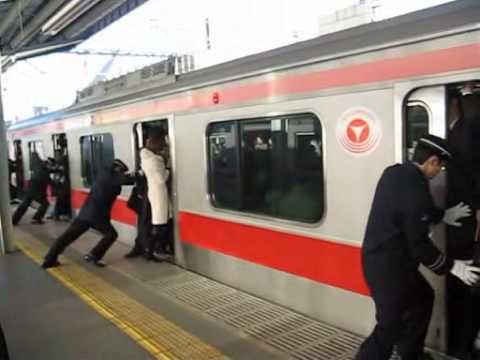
<point>271,166</point>
<point>416,126</point>
<point>35,153</point>
<point>96,153</point>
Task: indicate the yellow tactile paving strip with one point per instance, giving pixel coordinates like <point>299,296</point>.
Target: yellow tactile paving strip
<point>157,335</point>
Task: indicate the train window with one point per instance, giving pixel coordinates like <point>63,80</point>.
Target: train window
<point>270,166</point>
<point>416,126</point>
<point>224,164</point>
<point>35,152</point>
<point>96,153</point>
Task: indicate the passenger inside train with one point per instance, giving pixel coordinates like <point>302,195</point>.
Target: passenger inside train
<point>463,185</point>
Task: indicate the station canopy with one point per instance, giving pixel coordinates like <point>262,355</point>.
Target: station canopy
<point>30,28</point>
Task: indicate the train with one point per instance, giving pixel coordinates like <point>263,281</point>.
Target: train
<point>275,156</point>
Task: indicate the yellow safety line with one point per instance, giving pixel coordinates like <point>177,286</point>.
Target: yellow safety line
<point>157,335</point>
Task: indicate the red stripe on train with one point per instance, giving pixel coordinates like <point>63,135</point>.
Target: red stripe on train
<point>420,64</point>
<point>427,63</point>
<point>329,263</point>
<point>120,210</point>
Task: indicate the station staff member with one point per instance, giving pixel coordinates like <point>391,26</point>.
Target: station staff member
<point>37,191</point>
<point>396,242</point>
<point>95,214</point>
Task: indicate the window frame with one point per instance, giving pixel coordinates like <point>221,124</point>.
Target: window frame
<point>427,109</point>
<point>30,152</point>
<point>259,117</point>
<point>92,138</point>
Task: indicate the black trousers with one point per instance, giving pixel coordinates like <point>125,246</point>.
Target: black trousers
<point>463,313</point>
<point>62,204</point>
<point>463,317</point>
<point>78,228</point>
<point>158,238</point>
<point>3,346</point>
<point>23,207</point>
<point>144,228</point>
<point>403,315</point>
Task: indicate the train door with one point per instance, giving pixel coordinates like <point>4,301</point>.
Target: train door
<point>141,132</point>
<point>426,113</point>
<point>63,206</point>
<point>451,111</point>
<point>19,176</point>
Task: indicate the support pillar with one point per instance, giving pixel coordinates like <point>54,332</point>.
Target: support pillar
<point>6,228</point>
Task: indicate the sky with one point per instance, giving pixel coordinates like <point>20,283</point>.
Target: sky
<point>237,28</point>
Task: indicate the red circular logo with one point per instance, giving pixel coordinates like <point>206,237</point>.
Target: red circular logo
<point>358,131</point>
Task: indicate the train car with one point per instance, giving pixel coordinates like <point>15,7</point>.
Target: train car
<point>276,156</point>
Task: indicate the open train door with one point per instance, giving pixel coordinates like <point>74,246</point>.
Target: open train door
<point>425,112</point>
<point>451,111</point>
<point>62,183</point>
<point>141,132</point>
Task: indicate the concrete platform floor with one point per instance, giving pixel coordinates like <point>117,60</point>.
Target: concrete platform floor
<point>233,324</point>
<point>44,320</point>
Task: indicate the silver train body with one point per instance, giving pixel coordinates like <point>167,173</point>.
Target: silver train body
<point>374,74</point>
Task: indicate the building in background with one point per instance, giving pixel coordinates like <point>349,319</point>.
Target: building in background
<point>362,13</point>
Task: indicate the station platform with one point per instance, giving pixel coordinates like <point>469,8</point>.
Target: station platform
<point>134,309</point>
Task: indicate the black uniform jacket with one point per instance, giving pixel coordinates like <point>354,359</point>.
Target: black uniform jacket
<point>464,168</point>
<point>397,235</point>
<point>39,182</point>
<point>105,190</point>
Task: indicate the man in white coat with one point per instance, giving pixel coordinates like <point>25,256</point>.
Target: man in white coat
<point>153,165</point>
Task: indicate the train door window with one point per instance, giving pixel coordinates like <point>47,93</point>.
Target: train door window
<point>61,177</point>
<point>140,134</point>
<point>96,153</point>
<point>60,147</point>
<point>270,166</point>
<point>36,153</point>
<point>417,125</point>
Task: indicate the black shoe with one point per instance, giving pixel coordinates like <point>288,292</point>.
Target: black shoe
<point>38,222</point>
<point>47,264</point>
<point>132,254</point>
<point>151,257</point>
<point>91,259</point>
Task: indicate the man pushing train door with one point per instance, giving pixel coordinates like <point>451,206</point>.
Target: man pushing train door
<point>396,242</point>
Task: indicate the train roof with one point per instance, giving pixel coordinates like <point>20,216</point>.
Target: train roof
<point>409,27</point>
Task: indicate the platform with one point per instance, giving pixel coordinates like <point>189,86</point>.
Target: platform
<point>144,310</point>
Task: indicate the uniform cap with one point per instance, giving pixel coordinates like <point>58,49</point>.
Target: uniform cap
<point>438,145</point>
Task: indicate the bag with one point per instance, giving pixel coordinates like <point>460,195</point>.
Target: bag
<point>135,200</point>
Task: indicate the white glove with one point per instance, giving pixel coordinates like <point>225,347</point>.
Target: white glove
<point>464,270</point>
<point>455,213</point>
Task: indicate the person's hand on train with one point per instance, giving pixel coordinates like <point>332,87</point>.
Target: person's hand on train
<point>465,271</point>
<point>455,213</point>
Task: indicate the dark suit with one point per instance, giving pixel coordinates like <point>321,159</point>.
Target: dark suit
<point>37,191</point>
<point>463,185</point>
<point>95,214</point>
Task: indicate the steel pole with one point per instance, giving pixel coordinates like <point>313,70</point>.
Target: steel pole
<point>6,229</point>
